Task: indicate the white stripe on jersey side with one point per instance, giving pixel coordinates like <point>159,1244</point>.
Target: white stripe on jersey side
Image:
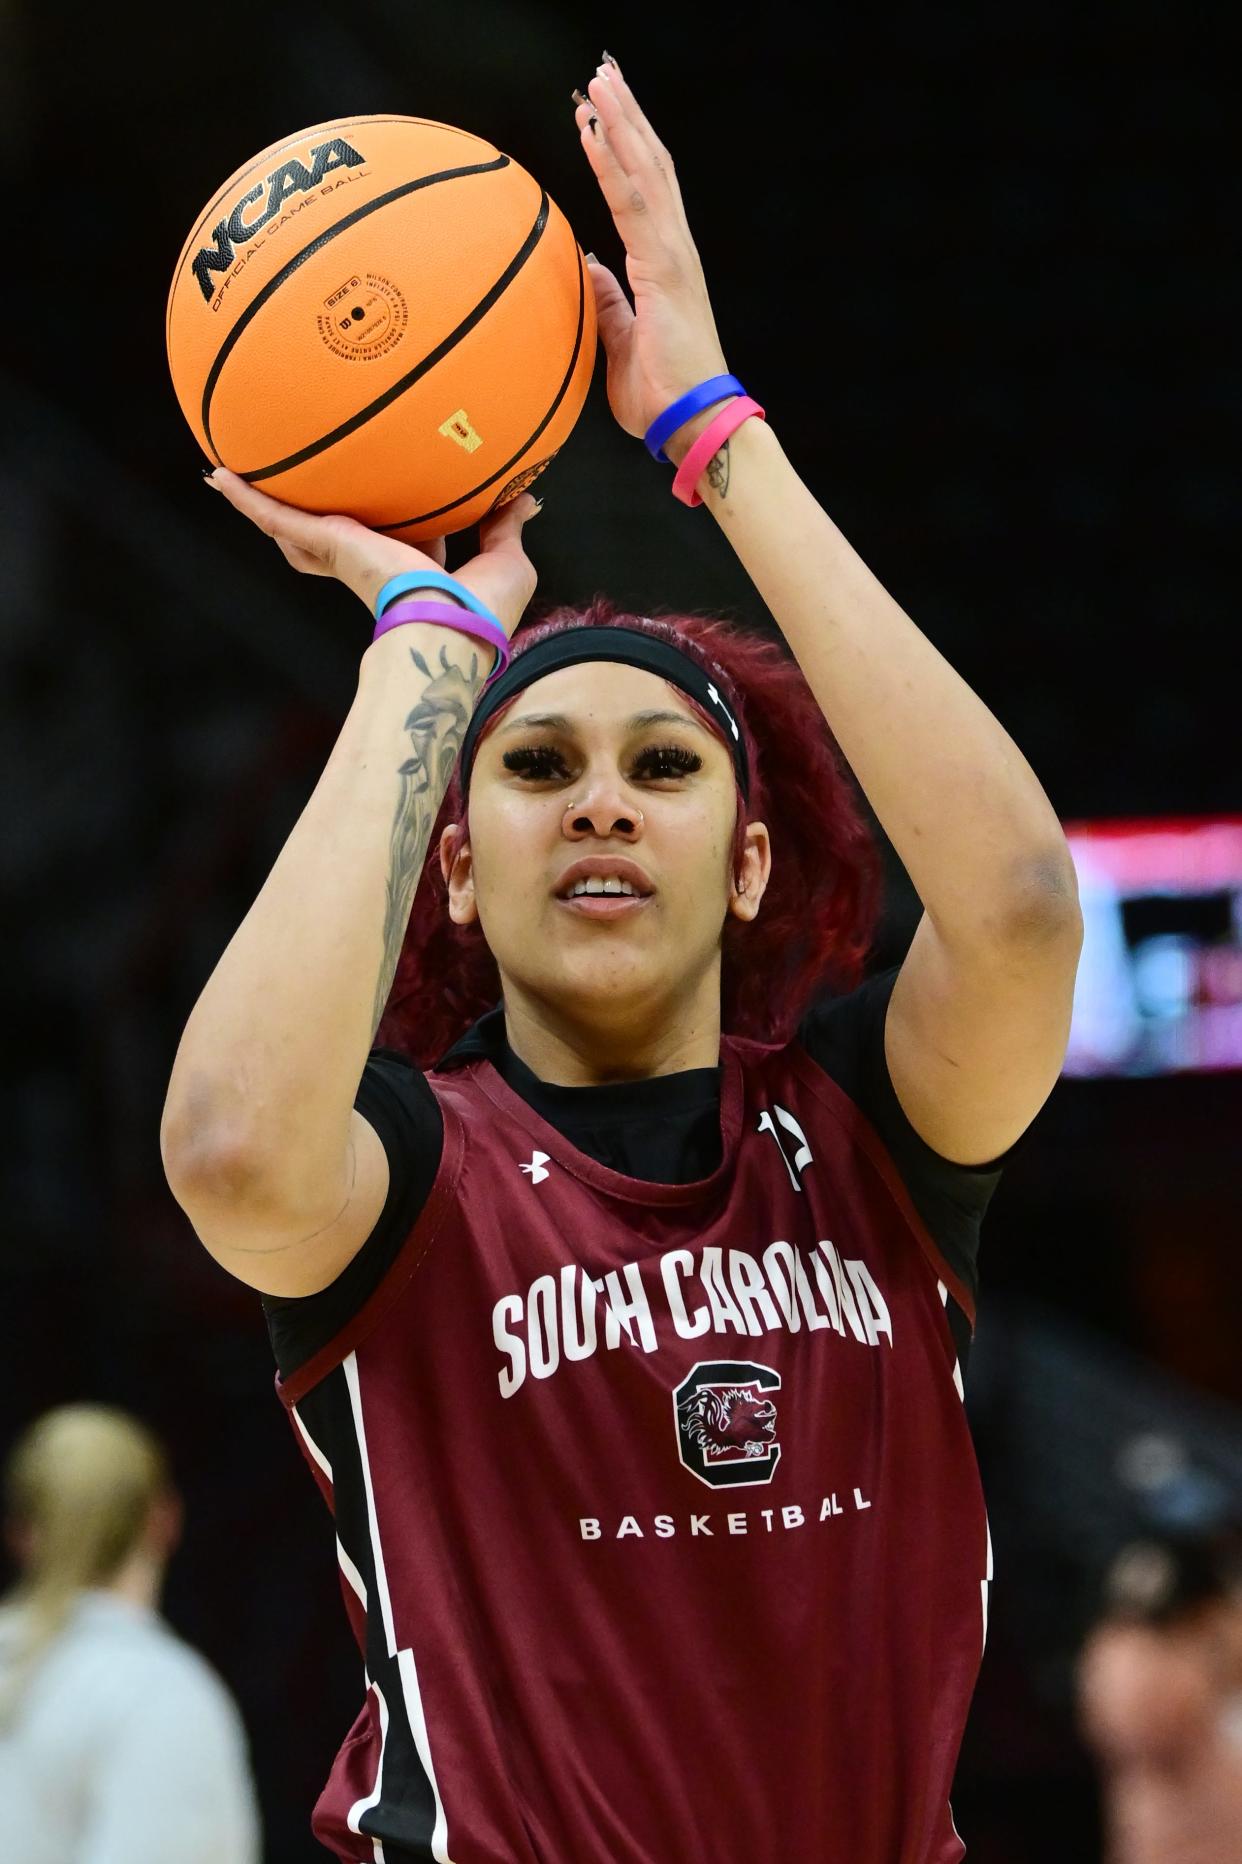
<point>372,1799</point>
<point>943,1292</point>
<point>312,1446</point>
<point>405,1658</point>
<point>346,1564</point>
<point>351,1573</point>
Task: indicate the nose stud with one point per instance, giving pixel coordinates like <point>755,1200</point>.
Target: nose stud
<point>571,809</point>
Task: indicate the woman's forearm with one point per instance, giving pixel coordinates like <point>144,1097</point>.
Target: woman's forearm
<point>962,807</point>
<point>265,1076</point>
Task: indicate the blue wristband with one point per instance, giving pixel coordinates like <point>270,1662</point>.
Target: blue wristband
<point>430,579</point>
<point>719,388</point>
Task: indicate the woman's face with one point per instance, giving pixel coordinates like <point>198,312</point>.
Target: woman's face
<point>598,774</point>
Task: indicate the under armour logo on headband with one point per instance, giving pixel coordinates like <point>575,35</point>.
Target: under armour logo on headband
<point>718,701</point>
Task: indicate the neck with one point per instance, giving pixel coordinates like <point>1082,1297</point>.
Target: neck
<point>140,1580</point>
<point>569,1045</point>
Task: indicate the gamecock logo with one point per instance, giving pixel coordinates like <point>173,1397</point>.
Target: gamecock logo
<point>726,1422</point>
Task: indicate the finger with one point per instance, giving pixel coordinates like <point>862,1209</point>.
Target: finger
<point>645,232</point>
<point>641,153</point>
<point>301,560</point>
<point>502,528</point>
<point>502,575</point>
<point>613,312</point>
<point>611,71</point>
<point>285,523</point>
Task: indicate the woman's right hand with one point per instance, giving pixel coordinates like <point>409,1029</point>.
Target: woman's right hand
<point>502,576</point>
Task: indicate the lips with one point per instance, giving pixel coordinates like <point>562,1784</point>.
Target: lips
<point>605,906</point>
<point>605,867</point>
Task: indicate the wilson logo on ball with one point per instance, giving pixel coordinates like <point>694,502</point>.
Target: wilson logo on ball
<point>291,177</point>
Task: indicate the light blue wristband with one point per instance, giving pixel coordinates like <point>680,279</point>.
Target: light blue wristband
<point>430,579</point>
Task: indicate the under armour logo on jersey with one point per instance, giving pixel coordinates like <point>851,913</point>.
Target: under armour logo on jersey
<point>720,705</point>
<point>538,1160</point>
<point>802,1157</point>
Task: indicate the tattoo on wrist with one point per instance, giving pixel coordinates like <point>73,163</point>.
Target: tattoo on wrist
<point>436,727</point>
<point>718,472</point>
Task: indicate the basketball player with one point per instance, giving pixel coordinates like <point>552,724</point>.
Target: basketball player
<point>621,1298</point>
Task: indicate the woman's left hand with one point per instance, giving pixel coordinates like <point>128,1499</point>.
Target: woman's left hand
<point>667,344</point>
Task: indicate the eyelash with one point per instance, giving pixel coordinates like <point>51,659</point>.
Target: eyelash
<point>543,762</point>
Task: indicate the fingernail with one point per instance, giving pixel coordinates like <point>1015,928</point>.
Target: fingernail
<point>610,60</point>
<point>207,471</point>
<point>591,259</point>
<point>593,126</point>
<point>538,505</point>
<point>580,99</point>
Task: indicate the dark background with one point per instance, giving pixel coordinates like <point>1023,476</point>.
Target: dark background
<point>978,265</point>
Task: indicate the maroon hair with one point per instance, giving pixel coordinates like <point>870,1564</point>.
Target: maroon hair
<point>818,914</point>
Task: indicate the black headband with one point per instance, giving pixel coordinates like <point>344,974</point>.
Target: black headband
<point>574,645</point>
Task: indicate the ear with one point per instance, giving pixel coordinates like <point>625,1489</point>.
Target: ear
<point>165,1524</point>
<point>750,884</point>
<point>457,866</point>
<point>19,1542</point>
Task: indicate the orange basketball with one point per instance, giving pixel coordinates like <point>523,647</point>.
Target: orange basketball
<point>383,316</point>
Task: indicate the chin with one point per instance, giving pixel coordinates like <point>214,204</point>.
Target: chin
<point>601,982</point>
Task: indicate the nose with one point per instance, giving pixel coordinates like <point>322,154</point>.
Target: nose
<point>605,812</point>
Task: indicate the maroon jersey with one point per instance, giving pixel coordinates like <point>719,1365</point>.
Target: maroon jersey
<point>658,1519</point>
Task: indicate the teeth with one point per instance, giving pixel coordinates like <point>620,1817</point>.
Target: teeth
<point>596,885</point>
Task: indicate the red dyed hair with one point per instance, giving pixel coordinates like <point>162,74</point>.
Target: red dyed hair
<point>818,914</point>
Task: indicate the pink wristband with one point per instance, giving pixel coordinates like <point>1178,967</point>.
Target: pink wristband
<point>446,615</point>
<point>708,445</point>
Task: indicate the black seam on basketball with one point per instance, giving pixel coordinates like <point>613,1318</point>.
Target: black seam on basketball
<point>442,510</point>
<point>428,362</point>
<point>300,258</point>
<point>266,155</point>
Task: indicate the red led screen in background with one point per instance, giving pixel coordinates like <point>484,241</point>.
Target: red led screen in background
<point>1160,979</point>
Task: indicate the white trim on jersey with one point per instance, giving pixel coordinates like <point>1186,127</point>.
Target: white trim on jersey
<point>346,1564</point>
<point>406,1666</point>
<point>351,1573</point>
<point>354,1820</point>
<point>312,1446</point>
<point>985,1583</point>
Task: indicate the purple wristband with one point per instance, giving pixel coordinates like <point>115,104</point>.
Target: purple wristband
<point>445,615</point>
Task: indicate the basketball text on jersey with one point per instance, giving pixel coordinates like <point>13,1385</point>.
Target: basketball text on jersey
<point>290,178</point>
<point>719,1291</point>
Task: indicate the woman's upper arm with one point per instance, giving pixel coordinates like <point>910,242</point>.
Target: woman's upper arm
<point>975,1036</point>
<point>258,1249</point>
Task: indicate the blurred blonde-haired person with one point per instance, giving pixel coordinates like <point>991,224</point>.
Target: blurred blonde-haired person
<point>1160,1700</point>
<point>119,1744</point>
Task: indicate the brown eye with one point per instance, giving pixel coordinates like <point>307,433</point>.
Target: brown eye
<point>667,760</point>
<point>538,762</point>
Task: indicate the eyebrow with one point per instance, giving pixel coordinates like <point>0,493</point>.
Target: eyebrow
<point>557,721</point>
